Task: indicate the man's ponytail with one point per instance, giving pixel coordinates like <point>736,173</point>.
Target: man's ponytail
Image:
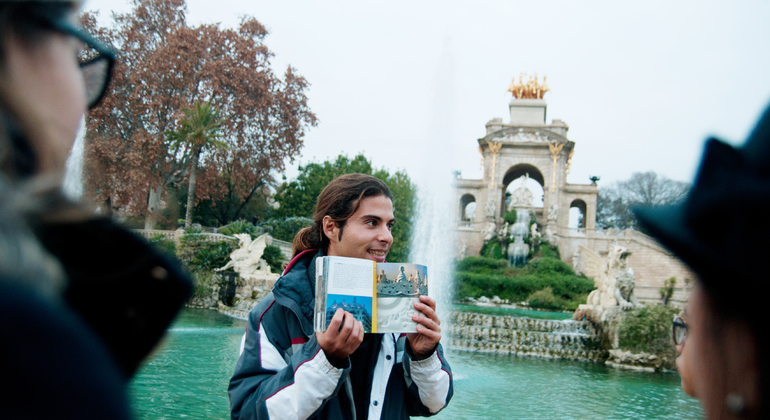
<point>339,200</point>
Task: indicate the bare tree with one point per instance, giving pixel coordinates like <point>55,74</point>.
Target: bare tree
<point>652,189</point>
<point>613,206</point>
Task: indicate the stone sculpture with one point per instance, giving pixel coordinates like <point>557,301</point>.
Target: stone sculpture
<point>533,233</point>
<point>491,207</point>
<point>522,196</point>
<point>462,249</point>
<point>614,282</point>
<point>503,232</point>
<point>248,258</point>
<point>553,212</point>
<point>488,232</point>
<point>576,261</point>
<point>256,277</point>
<point>624,280</point>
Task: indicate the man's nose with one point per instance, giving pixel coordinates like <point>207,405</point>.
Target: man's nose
<point>385,235</point>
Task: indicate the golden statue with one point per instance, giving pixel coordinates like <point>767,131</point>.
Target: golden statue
<point>494,147</point>
<point>555,148</point>
<point>531,89</point>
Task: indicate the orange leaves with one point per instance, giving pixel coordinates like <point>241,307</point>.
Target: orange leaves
<point>165,65</point>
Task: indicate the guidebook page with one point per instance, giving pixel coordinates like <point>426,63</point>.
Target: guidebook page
<point>349,286</point>
<point>399,285</point>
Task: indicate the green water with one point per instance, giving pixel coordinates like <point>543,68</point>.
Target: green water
<point>188,376</point>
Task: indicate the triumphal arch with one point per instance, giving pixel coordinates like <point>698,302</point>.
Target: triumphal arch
<point>527,149</point>
<point>529,154</point>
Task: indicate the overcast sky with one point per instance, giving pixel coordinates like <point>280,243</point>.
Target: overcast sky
<point>411,84</point>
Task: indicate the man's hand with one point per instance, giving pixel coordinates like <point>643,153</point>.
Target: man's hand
<point>428,334</point>
<point>342,338</point>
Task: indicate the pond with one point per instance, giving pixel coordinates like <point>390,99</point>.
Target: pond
<point>187,377</point>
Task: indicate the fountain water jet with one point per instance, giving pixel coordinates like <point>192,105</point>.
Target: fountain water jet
<point>433,242</point>
<point>73,177</point>
<point>518,250</point>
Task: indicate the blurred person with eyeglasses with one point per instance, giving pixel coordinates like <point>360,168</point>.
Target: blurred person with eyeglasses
<point>724,354</point>
<point>679,332</point>
<point>82,300</point>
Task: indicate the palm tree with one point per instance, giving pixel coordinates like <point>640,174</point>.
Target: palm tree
<point>200,129</point>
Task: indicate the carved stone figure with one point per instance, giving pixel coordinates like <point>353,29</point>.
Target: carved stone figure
<point>488,232</point>
<point>529,89</point>
<point>462,249</point>
<point>553,212</point>
<point>533,231</point>
<point>613,278</point>
<point>248,258</point>
<point>491,207</point>
<point>522,196</point>
<point>503,232</point>
<point>576,261</point>
<point>624,284</point>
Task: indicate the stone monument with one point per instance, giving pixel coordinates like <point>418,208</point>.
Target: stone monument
<point>522,196</point>
<point>614,282</point>
<point>256,277</point>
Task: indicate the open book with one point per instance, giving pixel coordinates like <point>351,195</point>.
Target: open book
<point>380,295</point>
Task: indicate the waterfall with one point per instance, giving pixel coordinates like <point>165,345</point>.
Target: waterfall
<point>574,340</point>
<point>73,177</point>
<point>518,250</point>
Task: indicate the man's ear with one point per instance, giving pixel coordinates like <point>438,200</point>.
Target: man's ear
<point>330,228</point>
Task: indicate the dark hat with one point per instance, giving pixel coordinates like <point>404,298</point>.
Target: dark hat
<point>722,229</point>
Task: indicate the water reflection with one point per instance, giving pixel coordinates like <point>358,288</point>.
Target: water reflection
<point>187,378</point>
<point>494,386</point>
<point>188,375</point>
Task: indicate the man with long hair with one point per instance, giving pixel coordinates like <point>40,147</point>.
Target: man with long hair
<point>286,370</point>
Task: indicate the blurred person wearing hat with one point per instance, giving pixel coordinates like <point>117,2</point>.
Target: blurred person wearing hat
<point>719,232</point>
<point>82,301</point>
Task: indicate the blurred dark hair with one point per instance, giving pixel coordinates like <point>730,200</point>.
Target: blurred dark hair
<point>339,200</point>
<point>22,19</point>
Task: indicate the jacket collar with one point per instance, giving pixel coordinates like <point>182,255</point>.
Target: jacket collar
<point>296,288</point>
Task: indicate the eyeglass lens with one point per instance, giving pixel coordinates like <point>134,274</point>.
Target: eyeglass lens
<point>679,330</point>
<point>95,78</point>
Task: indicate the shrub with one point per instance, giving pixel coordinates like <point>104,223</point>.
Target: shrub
<point>480,265</point>
<point>211,255</point>
<point>166,246</point>
<point>544,299</point>
<point>477,276</point>
<point>496,252</point>
<point>648,329</point>
<point>234,228</point>
<point>667,290</point>
<point>200,254</point>
<point>548,265</point>
<point>510,216</point>
<point>203,283</point>
<point>273,257</point>
<point>545,250</point>
<point>286,229</point>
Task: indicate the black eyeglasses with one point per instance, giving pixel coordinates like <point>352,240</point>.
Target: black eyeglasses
<point>96,59</point>
<point>679,330</point>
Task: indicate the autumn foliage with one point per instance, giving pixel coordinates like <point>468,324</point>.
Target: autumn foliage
<point>164,66</point>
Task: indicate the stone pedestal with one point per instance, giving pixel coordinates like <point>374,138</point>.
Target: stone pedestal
<point>528,111</point>
<point>256,285</point>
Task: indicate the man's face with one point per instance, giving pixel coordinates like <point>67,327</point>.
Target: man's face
<point>366,233</point>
